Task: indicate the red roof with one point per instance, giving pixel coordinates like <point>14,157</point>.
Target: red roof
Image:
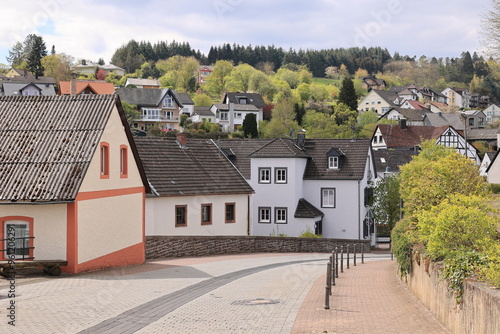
<point>97,87</point>
<point>412,136</point>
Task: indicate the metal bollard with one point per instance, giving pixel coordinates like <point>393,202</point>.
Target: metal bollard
<point>347,256</point>
<point>342,259</point>
<point>362,254</point>
<point>336,262</point>
<point>328,287</point>
<point>332,274</point>
<point>354,255</point>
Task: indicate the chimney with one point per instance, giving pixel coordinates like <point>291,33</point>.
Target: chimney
<point>402,124</point>
<point>182,139</point>
<point>301,139</point>
<point>84,62</point>
<point>72,87</point>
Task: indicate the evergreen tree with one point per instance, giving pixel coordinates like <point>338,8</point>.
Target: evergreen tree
<point>35,50</point>
<point>101,61</point>
<point>250,126</point>
<point>347,94</point>
<point>300,111</point>
<point>53,50</point>
<point>467,67</point>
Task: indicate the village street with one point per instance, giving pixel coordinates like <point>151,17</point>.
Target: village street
<point>254,293</point>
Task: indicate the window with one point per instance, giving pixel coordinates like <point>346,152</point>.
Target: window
<point>230,213</point>
<point>265,215</point>
<point>206,214</point>
<point>180,215</point>
<point>123,161</point>
<point>333,162</point>
<point>280,215</point>
<point>224,116</point>
<point>375,139</point>
<point>480,122</point>
<point>169,115</point>
<point>104,163</point>
<point>237,115</point>
<point>242,100</point>
<point>168,102</point>
<point>264,175</point>
<point>280,175</point>
<point>327,197</point>
<point>471,121</point>
<point>151,113</point>
<point>19,239</point>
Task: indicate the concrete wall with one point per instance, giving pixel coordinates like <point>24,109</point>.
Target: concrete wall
<point>168,246</point>
<point>479,312</point>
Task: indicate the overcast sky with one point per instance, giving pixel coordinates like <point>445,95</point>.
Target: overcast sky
<point>92,29</point>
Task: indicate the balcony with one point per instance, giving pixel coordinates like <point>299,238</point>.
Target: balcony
<point>155,118</point>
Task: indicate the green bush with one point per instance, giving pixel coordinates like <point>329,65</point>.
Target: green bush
<point>495,188</point>
<point>491,271</point>
<point>458,267</point>
<point>403,237</point>
<point>308,233</point>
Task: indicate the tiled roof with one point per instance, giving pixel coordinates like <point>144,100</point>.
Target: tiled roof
<point>411,114</point>
<point>253,98</point>
<point>184,98</point>
<point>306,210</point>
<point>482,134</point>
<point>353,164</point>
<point>98,87</point>
<point>279,147</point>
<point>388,96</point>
<point>412,136</point>
<point>145,97</point>
<point>417,105</point>
<point>237,107</point>
<point>199,169</point>
<point>203,111</point>
<point>242,148</point>
<point>13,88</point>
<point>47,143</point>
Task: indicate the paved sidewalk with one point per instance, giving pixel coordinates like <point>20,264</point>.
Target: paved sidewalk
<point>368,298</point>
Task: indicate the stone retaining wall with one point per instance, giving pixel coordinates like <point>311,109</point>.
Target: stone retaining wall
<point>177,246</point>
<point>479,312</point>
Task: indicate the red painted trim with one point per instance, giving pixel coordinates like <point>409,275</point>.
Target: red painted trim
<point>82,196</point>
<point>123,161</point>
<point>135,254</point>
<point>71,237</point>
<point>104,160</point>
<point>28,220</point>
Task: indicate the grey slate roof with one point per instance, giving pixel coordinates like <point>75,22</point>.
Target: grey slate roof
<point>279,147</point>
<point>443,119</point>
<point>146,97</point>
<point>237,107</point>
<point>203,111</point>
<point>184,98</point>
<point>253,98</point>
<point>482,134</point>
<point>315,150</point>
<point>14,88</point>
<point>199,169</point>
<point>47,143</point>
<point>353,164</point>
<point>392,158</point>
<point>306,210</point>
<point>409,114</point>
<point>388,96</point>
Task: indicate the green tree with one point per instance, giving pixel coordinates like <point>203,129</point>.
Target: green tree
<point>217,80</point>
<point>59,66</point>
<point>304,91</point>
<point>239,80</point>
<point>282,123</point>
<point>250,126</point>
<point>262,84</point>
<point>290,77</point>
<point>131,112</point>
<point>16,55</point>
<point>347,94</point>
<point>35,50</point>
<point>202,100</point>
<point>344,115</point>
<point>387,202</point>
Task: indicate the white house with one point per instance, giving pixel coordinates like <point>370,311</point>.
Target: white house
<point>379,101</point>
<point>321,185</point>
<point>457,97</point>
<point>412,116</point>
<point>230,116</point>
<point>492,113</point>
<point>71,186</point>
<point>196,190</point>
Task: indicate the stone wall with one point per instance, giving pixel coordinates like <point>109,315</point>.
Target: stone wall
<point>176,246</point>
<point>479,312</point>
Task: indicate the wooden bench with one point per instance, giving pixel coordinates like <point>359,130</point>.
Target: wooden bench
<point>51,267</point>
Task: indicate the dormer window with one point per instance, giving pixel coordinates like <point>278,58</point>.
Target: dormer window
<point>334,158</point>
<point>333,162</point>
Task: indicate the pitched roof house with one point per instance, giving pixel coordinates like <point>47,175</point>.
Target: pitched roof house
<point>254,99</point>
<point>196,190</point>
<point>143,83</point>
<point>231,116</point>
<point>371,82</point>
<point>308,184</point>
<point>457,97</point>
<point>71,183</point>
<point>412,116</point>
<point>77,87</point>
<point>379,101</point>
<point>22,82</point>
<point>156,106</point>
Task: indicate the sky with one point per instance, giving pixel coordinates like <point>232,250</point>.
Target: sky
<point>93,29</point>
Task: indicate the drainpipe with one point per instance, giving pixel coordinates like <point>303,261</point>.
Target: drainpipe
<point>359,209</point>
<point>248,215</point>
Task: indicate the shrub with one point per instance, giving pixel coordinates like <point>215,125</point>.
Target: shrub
<point>308,233</point>
<point>403,237</point>
<point>460,266</point>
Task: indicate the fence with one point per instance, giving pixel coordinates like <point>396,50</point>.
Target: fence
<point>16,248</point>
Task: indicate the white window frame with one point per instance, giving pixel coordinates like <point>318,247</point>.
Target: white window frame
<point>265,175</point>
<point>333,162</point>
<point>224,115</point>
<point>280,175</point>
<point>280,215</point>
<point>265,215</point>
<point>168,102</point>
<point>149,114</point>
<point>328,197</point>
